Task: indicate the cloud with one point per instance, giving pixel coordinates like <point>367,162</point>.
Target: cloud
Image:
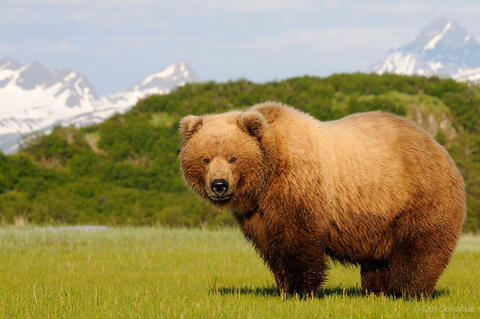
<point>417,7</point>
<point>248,6</point>
<point>60,46</point>
<point>399,8</point>
<point>115,18</point>
<point>82,3</point>
<point>55,46</point>
<point>319,40</point>
<point>85,16</point>
<point>327,40</point>
<point>18,15</point>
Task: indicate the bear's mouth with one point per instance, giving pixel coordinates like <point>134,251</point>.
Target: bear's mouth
<point>220,198</point>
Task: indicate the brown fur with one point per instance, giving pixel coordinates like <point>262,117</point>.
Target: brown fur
<point>371,189</point>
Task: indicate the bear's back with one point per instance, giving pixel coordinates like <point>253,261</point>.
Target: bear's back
<point>373,161</point>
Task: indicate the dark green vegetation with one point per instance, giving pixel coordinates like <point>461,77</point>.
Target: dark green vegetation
<point>178,273</point>
<point>125,170</point>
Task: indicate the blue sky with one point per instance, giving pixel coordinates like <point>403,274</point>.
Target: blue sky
<point>118,43</point>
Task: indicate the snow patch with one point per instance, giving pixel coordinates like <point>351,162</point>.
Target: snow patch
<point>70,76</point>
<point>162,74</point>
<point>435,66</point>
<point>433,42</point>
<point>397,63</point>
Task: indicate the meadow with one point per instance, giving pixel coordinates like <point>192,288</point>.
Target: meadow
<point>193,273</point>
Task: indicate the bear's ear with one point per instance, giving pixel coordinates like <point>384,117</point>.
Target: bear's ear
<point>253,123</point>
<point>189,125</point>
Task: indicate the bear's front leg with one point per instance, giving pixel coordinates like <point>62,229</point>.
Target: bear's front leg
<point>375,278</point>
<point>297,269</point>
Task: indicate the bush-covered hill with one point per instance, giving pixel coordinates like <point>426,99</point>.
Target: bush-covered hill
<point>125,170</point>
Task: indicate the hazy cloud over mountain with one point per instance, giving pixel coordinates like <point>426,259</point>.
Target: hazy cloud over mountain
<point>115,43</point>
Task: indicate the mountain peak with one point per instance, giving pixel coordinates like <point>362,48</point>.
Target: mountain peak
<point>438,35</point>
<point>441,33</point>
<point>443,48</point>
<point>176,74</point>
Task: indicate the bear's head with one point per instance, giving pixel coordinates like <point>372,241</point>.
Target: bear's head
<point>223,157</point>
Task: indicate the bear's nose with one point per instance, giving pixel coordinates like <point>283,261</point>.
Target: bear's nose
<point>219,186</point>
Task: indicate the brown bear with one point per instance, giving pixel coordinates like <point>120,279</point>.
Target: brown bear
<point>371,189</point>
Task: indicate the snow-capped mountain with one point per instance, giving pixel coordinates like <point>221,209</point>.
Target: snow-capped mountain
<point>34,98</point>
<point>163,82</point>
<point>443,48</point>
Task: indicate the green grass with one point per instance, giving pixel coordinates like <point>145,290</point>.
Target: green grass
<point>179,273</point>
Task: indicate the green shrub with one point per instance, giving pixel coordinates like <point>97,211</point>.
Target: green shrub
<point>125,170</point>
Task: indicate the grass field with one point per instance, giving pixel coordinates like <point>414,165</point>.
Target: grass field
<point>179,273</point>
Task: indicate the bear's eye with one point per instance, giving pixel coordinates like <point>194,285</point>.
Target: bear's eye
<point>232,159</point>
<point>206,160</point>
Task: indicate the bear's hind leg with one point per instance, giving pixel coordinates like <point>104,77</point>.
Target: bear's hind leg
<point>375,278</point>
<point>417,264</point>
